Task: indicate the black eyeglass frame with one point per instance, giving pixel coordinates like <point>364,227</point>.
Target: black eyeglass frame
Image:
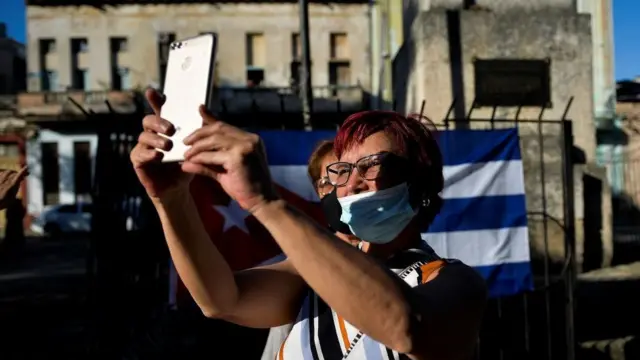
<point>385,159</point>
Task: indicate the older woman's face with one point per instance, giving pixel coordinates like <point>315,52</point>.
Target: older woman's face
<point>323,187</point>
<point>378,143</point>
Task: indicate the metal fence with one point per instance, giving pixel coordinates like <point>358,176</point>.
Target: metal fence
<point>129,260</point>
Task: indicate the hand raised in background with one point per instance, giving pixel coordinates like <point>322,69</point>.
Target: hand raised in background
<point>10,181</point>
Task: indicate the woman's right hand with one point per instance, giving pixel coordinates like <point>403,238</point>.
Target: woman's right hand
<point>159,179</point>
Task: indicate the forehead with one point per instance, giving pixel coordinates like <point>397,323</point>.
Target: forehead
<point>377,142</point>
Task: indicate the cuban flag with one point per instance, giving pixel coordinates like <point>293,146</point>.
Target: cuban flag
<point>483,221</point>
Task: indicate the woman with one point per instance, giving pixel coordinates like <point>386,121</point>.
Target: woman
<point>320,158</point>
<point>346,302</point>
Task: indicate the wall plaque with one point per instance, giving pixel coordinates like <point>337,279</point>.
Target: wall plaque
<point>503,82</point>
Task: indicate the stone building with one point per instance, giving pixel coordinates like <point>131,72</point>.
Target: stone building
<point>499,58</point>
<point>12,64</point>
<point>95,52</point>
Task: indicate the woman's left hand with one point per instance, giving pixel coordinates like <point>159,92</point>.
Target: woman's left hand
<point>233,157</point>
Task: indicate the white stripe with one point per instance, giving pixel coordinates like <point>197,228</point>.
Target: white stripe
<point>482,247</point>
<point>293,345</point>
<point>316,338</point>
<point>296,179</point>
<point>483,179</point>
<point>492,178</point>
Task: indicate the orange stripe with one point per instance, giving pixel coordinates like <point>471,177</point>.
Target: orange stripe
<point>343,332</point>
<point>280,355</point>
<point>430,268</point>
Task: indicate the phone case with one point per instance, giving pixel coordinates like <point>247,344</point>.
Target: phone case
<point>188,84</point>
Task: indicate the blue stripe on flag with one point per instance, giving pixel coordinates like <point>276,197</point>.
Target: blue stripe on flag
<point>480,213</point>
<point>507,279</point>
<point>292,147</point>
<point>478,146</point>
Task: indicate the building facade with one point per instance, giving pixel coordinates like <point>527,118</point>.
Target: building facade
<point>530,58</point>
<point>81,55</point>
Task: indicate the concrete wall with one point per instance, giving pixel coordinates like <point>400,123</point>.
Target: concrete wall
<point>140,24</point>
<point>559,33</point>
<point>66,161</point>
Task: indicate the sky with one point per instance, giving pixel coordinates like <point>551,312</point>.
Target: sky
<point>625,14</point>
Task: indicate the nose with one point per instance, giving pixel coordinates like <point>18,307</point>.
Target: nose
<point>356,184</point>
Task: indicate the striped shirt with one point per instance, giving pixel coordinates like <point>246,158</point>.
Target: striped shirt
<point>321,334</point>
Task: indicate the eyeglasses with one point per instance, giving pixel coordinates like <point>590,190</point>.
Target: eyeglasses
<point>369,168</point>
<point>324,186</point>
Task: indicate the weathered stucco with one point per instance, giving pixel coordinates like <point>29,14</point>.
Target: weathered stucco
<point>557,33</point>
<point>140,24</point>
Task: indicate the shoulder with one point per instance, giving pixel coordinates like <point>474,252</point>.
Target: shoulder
<point>455,290</point>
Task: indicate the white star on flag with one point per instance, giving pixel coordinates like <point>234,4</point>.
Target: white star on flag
<point>233,215</point>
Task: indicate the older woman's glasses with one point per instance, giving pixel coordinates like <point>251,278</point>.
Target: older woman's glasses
<point>370,167</point>
<point>324,186</point>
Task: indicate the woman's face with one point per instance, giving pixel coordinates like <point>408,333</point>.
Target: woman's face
<point>365,157</point>
<point>323,187</point>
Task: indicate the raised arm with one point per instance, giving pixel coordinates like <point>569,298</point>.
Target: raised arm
<point>262,297</point>
<point>354,284</point>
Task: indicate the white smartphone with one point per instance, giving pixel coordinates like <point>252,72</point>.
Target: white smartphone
<point>188,84</point>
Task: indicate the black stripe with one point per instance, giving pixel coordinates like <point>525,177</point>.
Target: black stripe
<point>312,323</point>
<point>327,332</point>
<point>390,353</point>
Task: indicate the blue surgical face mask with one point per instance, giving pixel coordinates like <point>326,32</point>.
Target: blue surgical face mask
<point>378,216</point>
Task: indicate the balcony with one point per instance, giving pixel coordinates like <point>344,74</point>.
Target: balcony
<point>60,104</point>
<point>326,99</point>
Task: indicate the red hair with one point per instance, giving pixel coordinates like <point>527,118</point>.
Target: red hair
<point>416,141</point>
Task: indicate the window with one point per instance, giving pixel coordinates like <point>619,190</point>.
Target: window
<point>512,83</point>
<point>48,77</point>
<point>119,44</point>
<point>50,81</point>
<point>121,79</point>
<point>255,59</point>
<point>339,46</point>
<point>79,46</point>
<point>164,41</point>
<point>296,57</point>
<point>80,79</point>
<point>50,173</point>
<point>82,168</point>
<point>296,47</point>
<point>339,73</point>
<point>120,75</point>
<point>339,64</point>
<point>47,46</point>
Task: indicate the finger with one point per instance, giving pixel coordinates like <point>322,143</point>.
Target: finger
<point>198,169</point>
<point>153,140</point>
<point>24,171</point>
<point>157,124</point>
<point>204,132</point>
<point>155,100</point>
<point>212,158</point>
<point>141,156</point>
<point>207,116</point>
<point>213,142</point>
<point>5,175</point>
